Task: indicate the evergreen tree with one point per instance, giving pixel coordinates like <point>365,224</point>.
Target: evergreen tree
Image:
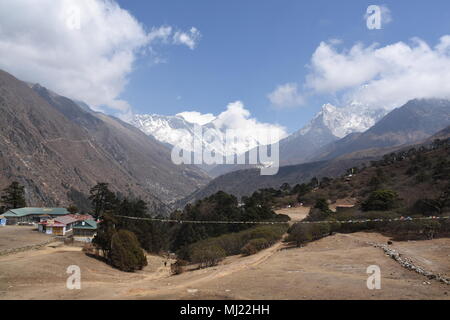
<point>285,187</point>
<point>105,231</point>
<point>314,183</point>
<point>126,254</point>
<point>380,200</point>
<point>322,205</point>
<point>13,196</point>
<point>102,199</point>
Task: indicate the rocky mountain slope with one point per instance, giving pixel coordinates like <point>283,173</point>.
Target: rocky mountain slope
<point>59,150</point>
<point>329,125</point>
<point>415,121</point>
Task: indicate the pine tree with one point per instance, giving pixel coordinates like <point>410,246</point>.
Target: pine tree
<point>102,199</point>
<point>105,232</point>
<point>126,253</point>
<point>13,196</point>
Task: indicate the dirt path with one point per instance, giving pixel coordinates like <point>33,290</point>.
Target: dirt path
<point>231,265</point>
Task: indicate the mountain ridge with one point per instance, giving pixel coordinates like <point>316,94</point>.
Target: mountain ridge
<point>244,182</point>
<point>56,149</point>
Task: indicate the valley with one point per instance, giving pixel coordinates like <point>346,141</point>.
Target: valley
<point>333,268</point>
<point>199,151</point>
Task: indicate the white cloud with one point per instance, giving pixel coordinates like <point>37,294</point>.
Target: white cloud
<point>40,42</point>
<point>386,15</point>
<point>189,39</point>
<point>236,121</point>
<point>197,117</point>
<point>237,118</point>
<point>386,76</point>
<point>286,96</point>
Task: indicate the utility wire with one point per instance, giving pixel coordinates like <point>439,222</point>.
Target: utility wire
<point>279,222</point>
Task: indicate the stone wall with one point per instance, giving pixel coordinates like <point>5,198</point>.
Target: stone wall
<point>408,264</point>
<point>26,248</point>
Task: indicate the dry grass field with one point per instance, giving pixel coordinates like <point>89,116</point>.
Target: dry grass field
<point>331,268</point>
<point>13,237</point>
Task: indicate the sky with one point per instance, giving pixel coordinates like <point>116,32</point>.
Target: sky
<point>278,60</point>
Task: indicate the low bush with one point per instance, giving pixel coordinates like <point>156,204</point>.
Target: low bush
<point>178,267</point>
<point>233,243</point>
<point>303,233</point>
<point>300,234</point>
<point>254,246</point>
<point>207,256</point>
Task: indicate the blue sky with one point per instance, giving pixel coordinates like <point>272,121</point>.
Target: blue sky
<point>301,54</point>
<point>249,47</point>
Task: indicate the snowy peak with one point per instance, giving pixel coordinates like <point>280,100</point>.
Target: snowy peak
<point>330,124</point>
<point>179,131</point>
<point>343,121</point>
<point>167,129</point>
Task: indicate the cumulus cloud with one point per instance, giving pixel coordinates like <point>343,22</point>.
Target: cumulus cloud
<point>386,76</point>
<point>285,96</point>
<point>197,117</point>
<point>237,118</point>
<point>84,49</point>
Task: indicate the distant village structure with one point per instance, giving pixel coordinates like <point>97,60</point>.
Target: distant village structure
<point>85,230</point>
<point>59,226</point>
<point>32,215</point>
<point>53,221</point>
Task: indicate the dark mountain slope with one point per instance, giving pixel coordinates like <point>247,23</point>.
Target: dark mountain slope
<point>245,182</point>
<point>55,148</point>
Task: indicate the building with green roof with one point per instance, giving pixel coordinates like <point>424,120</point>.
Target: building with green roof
<point>32,215</point>
<point>85,231</point>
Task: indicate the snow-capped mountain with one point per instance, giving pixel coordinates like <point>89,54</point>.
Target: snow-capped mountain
<point>330,124</point>
<point>342,121</point>
<point>178,131</point>
<point>172,130</point>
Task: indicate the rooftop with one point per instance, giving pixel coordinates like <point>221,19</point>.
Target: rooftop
<point>88,224</point>
<point>81,217</point>
<point>22,212</point>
